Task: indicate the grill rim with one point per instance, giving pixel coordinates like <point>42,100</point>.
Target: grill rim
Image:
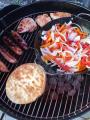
<point>42,2</point>
<point>16,115</point>
<point>3,108</point>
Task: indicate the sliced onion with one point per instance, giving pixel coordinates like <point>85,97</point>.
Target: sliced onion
<point>72,49</point>
<point>53,45</point>
<point>44,37</point>
<point>43,32</point>
<point>77,38</point>
<point>72,36</point>
<point>76,51</point>
<point>53,28</point>
<point>61,34</point>
<point>72,63</point>
<point>88,67</point>
<point>45,51</point>
<point>57,39</point>
<point>68,24</point>
<point>64,54</point>
<point>52,36</point>
<point>86,40</point>
<point>74,69</point>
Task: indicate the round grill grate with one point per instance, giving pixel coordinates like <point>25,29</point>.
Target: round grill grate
<point>55,103</point>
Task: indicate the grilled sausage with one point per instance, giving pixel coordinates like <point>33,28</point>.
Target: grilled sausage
<point>19,40</point>
<point>7,55</point>
<point>3,67</point>
<point>13,46</point>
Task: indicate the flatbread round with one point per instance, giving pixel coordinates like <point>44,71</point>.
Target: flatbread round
<point>58,15</point>
<point>42,20</point>
<point>26,83</point>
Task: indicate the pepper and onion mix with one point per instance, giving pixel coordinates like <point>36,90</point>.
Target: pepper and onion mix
<point>66,46</point>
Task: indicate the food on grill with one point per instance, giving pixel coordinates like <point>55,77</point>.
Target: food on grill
<point>26,25</point>
<point>71,92</point>
<point>19,40</point>
<point>66,47</point>
<point>3,67</point>
<point>57,15</point>
<point>26,83</point>
<point>42,19</point>
<point>13,46</point>
<point>7,55</point>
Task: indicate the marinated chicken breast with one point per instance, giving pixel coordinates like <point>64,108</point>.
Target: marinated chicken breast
<point>26,83</point>
<point>42,19</point>
<point>26,25</point>
<point>57,15</point>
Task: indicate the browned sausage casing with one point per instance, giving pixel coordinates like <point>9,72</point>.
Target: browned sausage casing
<point>7,55</point>
<point>19,40</point>
<point>13,46</point>
<point>3,67</point>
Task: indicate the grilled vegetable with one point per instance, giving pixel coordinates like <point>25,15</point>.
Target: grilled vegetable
<point>19,40</point>
<point>3,67</point>
<point>7,55</point>
<point>13,46</point>
<point>67,47</point>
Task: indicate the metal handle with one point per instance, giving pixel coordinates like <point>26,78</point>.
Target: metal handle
<point>2,116</point>
<point>84,16</point>
<point>76,2</point>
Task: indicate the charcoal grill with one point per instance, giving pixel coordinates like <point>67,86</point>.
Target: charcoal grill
<point>50,105</point>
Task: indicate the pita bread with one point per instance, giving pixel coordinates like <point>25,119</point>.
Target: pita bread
<point>58,15</point>
<point>26,83</point>
<point>42,19</point>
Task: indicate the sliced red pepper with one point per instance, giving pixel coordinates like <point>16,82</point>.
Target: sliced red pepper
<point>56,35</point>
<point>62,38</point>
<point>63,66</point>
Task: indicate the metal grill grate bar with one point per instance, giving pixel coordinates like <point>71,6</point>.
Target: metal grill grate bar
<point>88,96</point>
<point>51,101</point>
<point>83,92</point>
<point>60,105</point>
<point>39,105</point>
<point>78,97</point>
<point>70,106</point>
<point>54,108</point>
<point>46,102</point>
<point>65,106</point>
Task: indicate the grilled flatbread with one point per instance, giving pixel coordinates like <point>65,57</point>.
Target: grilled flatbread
<point>42,19</point>
<point>26,83</point>
<point>58,15</point>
